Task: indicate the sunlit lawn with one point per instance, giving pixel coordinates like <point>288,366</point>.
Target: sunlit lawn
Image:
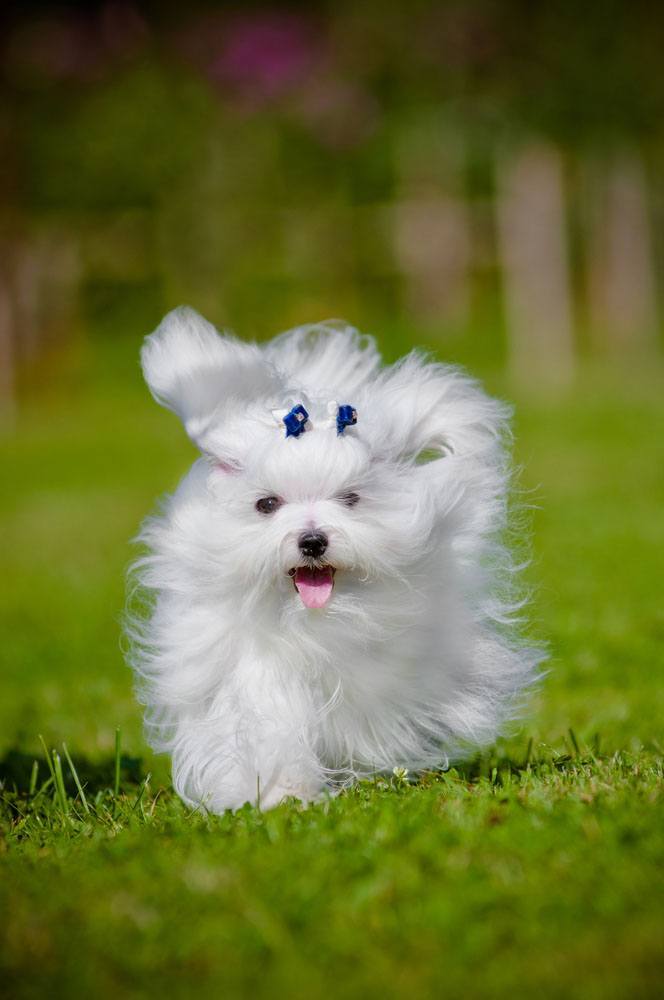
<point>537,868</point>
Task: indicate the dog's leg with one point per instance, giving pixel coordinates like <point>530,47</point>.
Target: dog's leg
<point>253,744</point>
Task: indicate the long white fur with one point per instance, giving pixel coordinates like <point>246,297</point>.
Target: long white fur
<point>415,660</point>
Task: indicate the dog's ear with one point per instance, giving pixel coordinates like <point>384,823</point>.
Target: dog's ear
<point>426,411</point>
<point>201,376</point>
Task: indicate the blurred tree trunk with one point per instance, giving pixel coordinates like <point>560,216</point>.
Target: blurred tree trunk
<point>621,279</point>
<point>533,249</point>
<point>430,224</point>
<point>39,278</point>
<point>7,345</point>
<point>432,250</point>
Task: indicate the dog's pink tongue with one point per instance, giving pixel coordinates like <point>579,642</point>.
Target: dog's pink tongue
<point>314,585</point>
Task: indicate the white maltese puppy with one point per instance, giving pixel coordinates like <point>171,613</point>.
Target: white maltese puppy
<point>330,595</point>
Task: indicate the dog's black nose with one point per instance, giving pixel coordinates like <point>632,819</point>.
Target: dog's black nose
<point>312,544</point>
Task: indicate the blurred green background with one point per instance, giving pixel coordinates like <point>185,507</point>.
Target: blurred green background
<point>481,178</point>
<point>484,179</point>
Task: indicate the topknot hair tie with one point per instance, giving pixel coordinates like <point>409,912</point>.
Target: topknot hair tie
<point>346,417</point>
<point>295,421</point>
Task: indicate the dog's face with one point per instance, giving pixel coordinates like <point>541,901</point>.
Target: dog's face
<point>310,515</point>
<point>314,519</point>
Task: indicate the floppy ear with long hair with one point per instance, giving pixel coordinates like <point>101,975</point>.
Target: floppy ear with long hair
<point>201,376</point>
<point>422,410</point>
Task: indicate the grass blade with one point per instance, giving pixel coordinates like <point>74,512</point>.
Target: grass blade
<point>116,783</point>
<point>529,753</point>
<point>141,793</point>
<point>34,774</point>
<point>48,757</point>
<point>74,774</point>
<point>60,783</point>
<point>572,737</point>
<point>44,788</point>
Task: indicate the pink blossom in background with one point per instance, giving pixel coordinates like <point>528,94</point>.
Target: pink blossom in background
<point>267,54</point>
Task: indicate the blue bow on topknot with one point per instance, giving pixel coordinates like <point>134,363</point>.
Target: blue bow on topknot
<point>346,417</point>
<point>295,421</point>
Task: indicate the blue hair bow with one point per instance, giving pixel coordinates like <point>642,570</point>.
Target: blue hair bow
<point>295,421</point>
<point>346,417</point>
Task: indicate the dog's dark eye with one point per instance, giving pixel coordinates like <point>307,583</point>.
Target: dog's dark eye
<point>268,505</point>
<point>349,499</point>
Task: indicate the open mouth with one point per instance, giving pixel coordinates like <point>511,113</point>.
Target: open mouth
<point>313,585</point>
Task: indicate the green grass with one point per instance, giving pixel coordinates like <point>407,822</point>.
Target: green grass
<point>534,870</point>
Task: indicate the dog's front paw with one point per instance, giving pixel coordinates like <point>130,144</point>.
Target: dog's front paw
<point>277,792</point>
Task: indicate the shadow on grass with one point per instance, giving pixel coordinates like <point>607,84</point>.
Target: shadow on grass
<point>17,772</point>
<point>17,769</point>
<point>483,765</point>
